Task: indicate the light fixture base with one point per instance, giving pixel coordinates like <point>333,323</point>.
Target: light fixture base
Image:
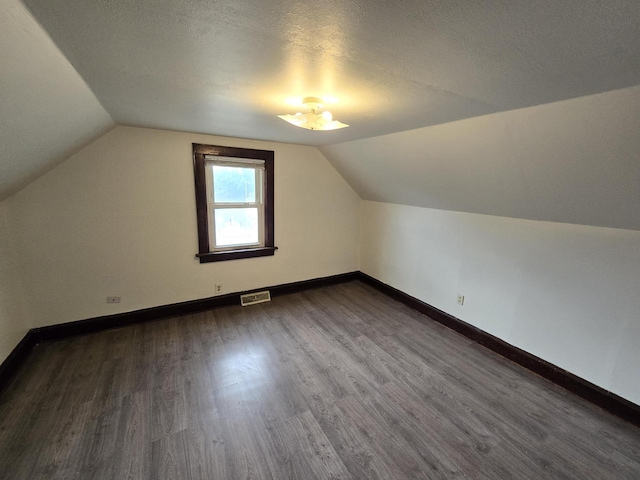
<point>313,103</point>
<point>313,120</point>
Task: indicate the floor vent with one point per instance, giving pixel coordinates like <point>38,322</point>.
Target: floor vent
<point>253,298</point>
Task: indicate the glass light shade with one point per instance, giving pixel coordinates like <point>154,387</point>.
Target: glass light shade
<point>313,121</point>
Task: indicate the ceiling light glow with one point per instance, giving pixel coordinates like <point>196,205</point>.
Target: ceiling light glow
<point>312,120</point>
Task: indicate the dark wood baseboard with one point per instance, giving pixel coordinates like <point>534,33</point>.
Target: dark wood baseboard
<point>587,390</point>
<point>80,327</point>
<point>16,358</point>
<point>597,395</point>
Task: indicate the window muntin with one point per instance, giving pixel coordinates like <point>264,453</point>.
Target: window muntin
<point>235,202</point>
<point>242,204</point>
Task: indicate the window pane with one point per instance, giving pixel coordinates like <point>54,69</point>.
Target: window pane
<point>234,184</point>
<point>236,226</point>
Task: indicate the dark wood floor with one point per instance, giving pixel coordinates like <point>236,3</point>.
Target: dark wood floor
<point>338,382</point>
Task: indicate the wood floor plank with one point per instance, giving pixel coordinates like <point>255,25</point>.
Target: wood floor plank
<point>133,443</point>
<point>170,458</point>
<point>66,442</point>
<point>168,412</point>
<point>336,382</point>
<point>313,453</point>
<point>205,432</point>
<point>96,459</point>
<point>244,455</point>
<point>398,458</point>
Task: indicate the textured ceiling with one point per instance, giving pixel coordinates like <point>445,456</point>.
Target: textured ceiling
<point>228,67</point>
<point>46,110</point>
<point>575,161</point>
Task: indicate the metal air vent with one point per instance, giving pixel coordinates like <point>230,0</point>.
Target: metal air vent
<point>253,298</point>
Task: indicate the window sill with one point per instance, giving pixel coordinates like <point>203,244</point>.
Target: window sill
<point>236,254</point>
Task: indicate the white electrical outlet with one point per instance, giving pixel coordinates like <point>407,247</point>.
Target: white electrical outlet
<point>460,299</point>
<point>218,288</point>
<point>113,299</point>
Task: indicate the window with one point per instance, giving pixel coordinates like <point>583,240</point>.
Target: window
<point>234,202</point>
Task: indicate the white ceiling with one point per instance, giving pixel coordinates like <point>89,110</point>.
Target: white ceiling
<point>574,161</point>
<point>227,67</point>
<point>46,110</point>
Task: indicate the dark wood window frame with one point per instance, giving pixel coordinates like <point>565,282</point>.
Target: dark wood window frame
<point>205,254</point>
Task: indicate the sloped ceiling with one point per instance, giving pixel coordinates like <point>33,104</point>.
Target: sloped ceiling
<point>451,102</point>
<point>228,67</point>
<point>575,161</point>
<point>46,110</point>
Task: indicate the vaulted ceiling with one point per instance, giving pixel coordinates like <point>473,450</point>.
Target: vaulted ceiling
<point>575,161</point>
<point>46,109</point>
<point>228,68</point>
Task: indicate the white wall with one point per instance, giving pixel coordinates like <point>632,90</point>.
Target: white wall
<point>569,294</point>
<point>118,218</point>
<point>13,319</point>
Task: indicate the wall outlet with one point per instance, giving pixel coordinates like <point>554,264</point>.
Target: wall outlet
<point>218,288</point>
<point>113,299</point>
<point>460,299</point>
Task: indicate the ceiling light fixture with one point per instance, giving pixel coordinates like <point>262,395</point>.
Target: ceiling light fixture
<point>312,120</point>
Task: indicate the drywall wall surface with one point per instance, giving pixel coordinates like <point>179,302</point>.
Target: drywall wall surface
<point>119,219</point>
<point>48,111</point>
<point>569,294</point>
<point>574,161</point>
<point>13,321</point>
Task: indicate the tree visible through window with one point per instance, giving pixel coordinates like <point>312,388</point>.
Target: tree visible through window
<point>236,205</point>
<point>234,202</point>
